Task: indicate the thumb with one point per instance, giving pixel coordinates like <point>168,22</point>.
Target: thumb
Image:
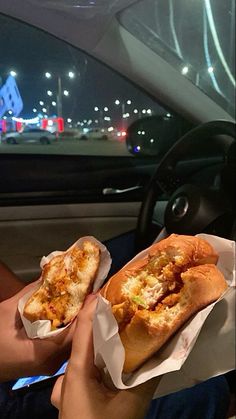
<point>56,392</point>
<point>82,345</point>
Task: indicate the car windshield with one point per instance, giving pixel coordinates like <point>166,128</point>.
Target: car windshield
<point>196,37</point>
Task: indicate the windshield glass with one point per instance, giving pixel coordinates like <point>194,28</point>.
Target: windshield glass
<point>196,37</point>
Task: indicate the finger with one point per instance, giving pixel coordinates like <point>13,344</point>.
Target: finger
<point>82,346</point>
<point>56,392</point>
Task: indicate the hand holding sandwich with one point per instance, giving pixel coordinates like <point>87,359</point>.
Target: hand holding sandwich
<point>21,356</point>
<point>81,392</point>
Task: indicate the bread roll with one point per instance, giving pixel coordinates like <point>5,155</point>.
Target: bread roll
<point>153,297</point>
<point>66,281</point>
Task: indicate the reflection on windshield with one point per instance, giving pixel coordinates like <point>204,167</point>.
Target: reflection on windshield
<point>197,37</point>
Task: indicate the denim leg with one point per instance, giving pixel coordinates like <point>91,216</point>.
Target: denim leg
<point>33,404</point>
<point>208,400</point>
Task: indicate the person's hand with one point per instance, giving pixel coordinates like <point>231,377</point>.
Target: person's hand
<point>21,356</point>
<point>81,394</point>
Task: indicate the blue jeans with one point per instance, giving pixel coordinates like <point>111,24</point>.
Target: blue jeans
<point>208,400</point>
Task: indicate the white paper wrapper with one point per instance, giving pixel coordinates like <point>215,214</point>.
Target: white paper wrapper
<point>42,328</point>
<point>212,356</point>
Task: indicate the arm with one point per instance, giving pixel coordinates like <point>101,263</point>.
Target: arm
<point>95,400</point>
<point>10,284</point>
<point>21,356</point>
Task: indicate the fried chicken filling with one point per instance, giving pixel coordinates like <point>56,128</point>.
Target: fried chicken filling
<point>151,284</point>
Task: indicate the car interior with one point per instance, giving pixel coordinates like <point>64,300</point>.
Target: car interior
<point>170,165</point>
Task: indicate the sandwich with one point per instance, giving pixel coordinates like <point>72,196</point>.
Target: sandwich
<point>152,297</point>
<point>66,281</point>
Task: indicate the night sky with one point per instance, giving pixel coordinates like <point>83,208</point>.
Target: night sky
<point>31,52</point>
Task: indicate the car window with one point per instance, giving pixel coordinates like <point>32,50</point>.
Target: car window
<point>48,85</point>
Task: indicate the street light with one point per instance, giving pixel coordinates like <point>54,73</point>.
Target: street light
<point>13,73</point>
<point>123,114</point>
<point>58,102</point>
<point>96,108</point>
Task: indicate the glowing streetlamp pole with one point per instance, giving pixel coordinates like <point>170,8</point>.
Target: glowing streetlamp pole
<point>59,97</point>
<point>123,114</point>
<point>71,75</point>
<point>101,120</point>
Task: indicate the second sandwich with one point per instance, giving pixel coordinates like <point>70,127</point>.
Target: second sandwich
<point>151,298</point>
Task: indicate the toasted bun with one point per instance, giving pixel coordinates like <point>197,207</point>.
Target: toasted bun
<point>66,281</point>
<point>153,297</point>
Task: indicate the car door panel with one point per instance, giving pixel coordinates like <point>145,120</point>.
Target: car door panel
<point>29,232</point>
<point>72,178</point>
<point>48,201</point>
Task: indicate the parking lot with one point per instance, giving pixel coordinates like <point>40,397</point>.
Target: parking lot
<point>70,146</point>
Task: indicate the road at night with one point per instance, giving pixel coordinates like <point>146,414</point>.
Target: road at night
<point>65,146</point>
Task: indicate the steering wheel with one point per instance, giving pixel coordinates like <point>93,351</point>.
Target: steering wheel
<point>190,210</point>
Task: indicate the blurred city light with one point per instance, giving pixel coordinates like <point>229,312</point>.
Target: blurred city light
<point>184,70</point>
<point>210,69</point>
